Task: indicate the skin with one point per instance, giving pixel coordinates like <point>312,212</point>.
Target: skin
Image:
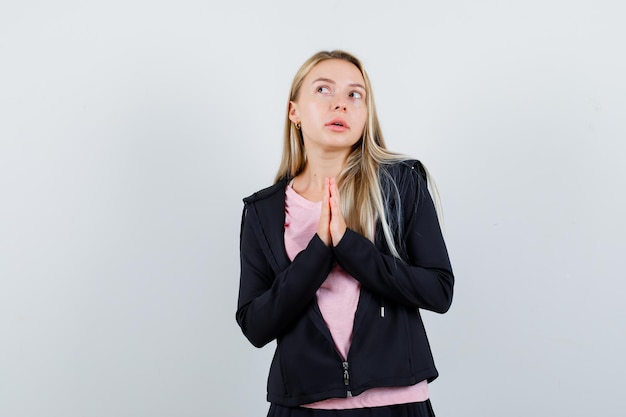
<point>332,110</point>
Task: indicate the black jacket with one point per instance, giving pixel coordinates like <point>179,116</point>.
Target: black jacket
<point>277,298</point>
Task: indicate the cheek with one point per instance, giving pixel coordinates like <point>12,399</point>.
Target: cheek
<point>363,117</point>
<point>313,109</point>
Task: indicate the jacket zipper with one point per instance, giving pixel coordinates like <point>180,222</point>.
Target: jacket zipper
<point>346,379</point>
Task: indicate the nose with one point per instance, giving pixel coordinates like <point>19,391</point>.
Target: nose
<point>340,106</point>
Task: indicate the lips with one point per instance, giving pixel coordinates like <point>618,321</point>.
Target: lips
<point>338,124</point>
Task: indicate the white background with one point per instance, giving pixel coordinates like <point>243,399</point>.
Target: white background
<point>130,131</point>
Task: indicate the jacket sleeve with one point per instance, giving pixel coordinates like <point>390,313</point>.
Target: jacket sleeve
<point>425,280</point>
<point>269,300</point>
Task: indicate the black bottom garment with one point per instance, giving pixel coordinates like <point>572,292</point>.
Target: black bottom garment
<point>420,409</point>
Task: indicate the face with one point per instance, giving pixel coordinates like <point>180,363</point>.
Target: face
<point>331,106</point>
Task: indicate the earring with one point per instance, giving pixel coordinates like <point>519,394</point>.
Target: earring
<point>298,125</point>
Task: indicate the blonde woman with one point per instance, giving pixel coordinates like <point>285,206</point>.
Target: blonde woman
<point>339,256</point>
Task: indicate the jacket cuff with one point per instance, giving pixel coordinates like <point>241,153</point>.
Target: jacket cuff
<point>348,243</point>
<point>317,246</point>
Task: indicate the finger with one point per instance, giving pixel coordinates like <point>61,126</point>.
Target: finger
<point>337,221</point>
<point>325,200</point>
<point>323,228</point>
<point>332,182</point>
<point>332,188</point>
<point>334,195</point>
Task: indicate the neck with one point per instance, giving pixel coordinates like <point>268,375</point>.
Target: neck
<point>320,167</point>
<point>310,182</point>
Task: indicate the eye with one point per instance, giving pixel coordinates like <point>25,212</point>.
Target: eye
<point>356,94</point>
<point>323,90</point>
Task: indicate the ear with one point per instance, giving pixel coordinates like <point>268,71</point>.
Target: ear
<point>294,115</point>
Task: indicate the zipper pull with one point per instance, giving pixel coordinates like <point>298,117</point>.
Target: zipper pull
<point>382,308</point>
<point>346,379</point>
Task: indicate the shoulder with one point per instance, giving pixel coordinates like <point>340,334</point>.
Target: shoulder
<point>268,192</point>
<point>405,181</point>
<point>404,170</point>
<point>265,207</point>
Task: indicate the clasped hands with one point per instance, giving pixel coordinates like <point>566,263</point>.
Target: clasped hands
<point>332,225</point>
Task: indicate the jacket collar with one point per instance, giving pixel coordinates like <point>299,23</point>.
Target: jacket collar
<point>269,207</point>
<point>267,192</point>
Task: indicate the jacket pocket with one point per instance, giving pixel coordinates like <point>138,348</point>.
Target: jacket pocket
<point>307,362</point>
<point>381,353</point>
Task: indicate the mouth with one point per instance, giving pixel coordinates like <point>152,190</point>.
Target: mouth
<point>338,123</point>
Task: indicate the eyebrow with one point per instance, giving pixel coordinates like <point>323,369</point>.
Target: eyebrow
<point>328,80</point>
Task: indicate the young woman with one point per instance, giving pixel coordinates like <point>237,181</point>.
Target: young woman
<point>339,255</point>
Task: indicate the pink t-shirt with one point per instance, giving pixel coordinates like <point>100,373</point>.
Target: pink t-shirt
<point>337,299</point>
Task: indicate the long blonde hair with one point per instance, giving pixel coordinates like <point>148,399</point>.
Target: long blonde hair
<point>365,189</point>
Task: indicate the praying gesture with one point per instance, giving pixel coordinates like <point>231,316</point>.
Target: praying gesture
<point>332,225</point>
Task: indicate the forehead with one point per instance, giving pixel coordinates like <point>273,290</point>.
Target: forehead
<point>336,70</point>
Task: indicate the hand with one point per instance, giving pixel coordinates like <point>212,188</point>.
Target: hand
<point>337,222</point>
<point>323,228</point>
